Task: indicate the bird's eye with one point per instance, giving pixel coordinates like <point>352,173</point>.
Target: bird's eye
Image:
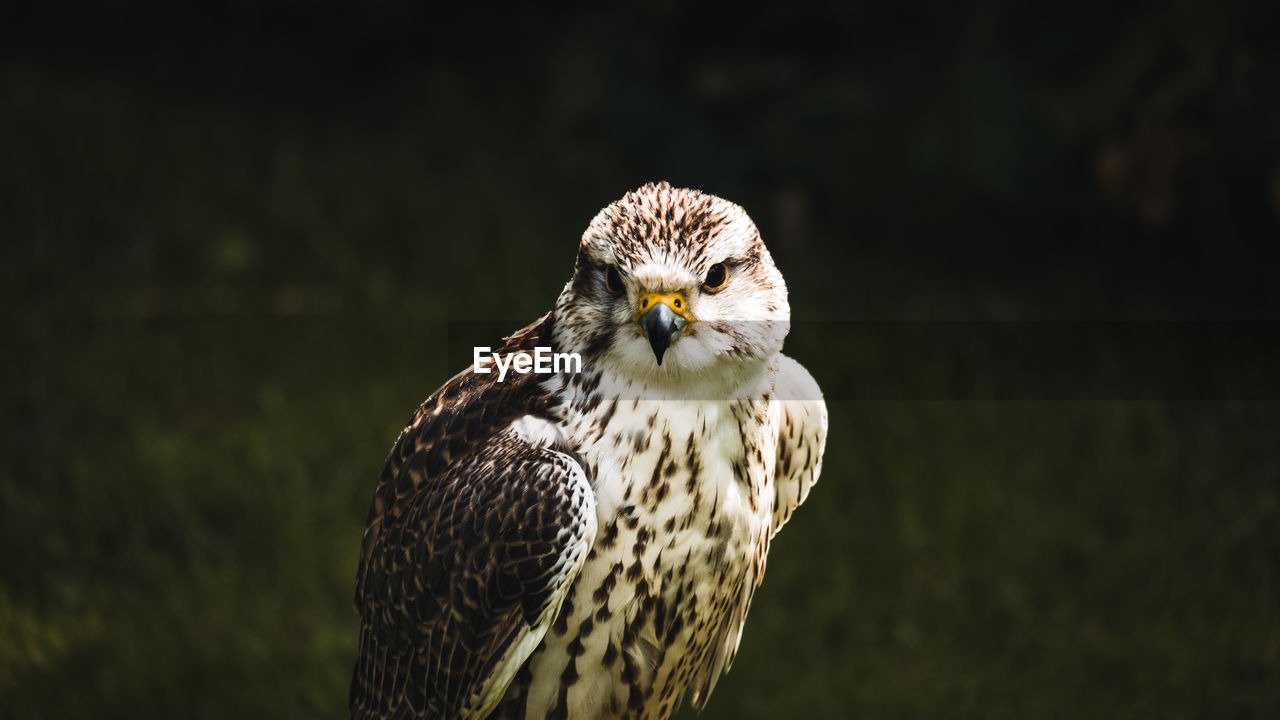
<point>716,277</point>
<point>613,280</point>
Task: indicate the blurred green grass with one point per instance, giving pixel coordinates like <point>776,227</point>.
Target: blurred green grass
<point>184,507</point>
<point>183,523</point>
<point>217,326</point>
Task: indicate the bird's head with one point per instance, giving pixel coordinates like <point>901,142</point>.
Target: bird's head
<point>673,283</point>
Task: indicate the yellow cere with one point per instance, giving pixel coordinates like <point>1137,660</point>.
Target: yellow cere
<point>676,301</point>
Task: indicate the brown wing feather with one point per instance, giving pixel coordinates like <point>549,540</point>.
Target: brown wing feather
<point>471,536</point>
<point>454,421</point>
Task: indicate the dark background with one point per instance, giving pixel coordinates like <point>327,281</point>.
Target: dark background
<point>1032,256</point>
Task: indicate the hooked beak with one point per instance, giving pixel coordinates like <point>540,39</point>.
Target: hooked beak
<point>664,317</point>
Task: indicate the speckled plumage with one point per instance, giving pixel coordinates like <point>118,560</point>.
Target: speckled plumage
<point>587,545</point>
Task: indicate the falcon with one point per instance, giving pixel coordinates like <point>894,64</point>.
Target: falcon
<point>586,543</point>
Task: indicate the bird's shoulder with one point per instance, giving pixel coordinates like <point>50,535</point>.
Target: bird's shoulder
<point>802,437</point>
<point>449,426</point>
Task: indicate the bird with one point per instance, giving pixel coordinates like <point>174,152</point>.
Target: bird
<point>585,543</point>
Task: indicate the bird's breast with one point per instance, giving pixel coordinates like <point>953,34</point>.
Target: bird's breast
<point>681,495</point>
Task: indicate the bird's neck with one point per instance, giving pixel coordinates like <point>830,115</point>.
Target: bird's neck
<point>734,382</point>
